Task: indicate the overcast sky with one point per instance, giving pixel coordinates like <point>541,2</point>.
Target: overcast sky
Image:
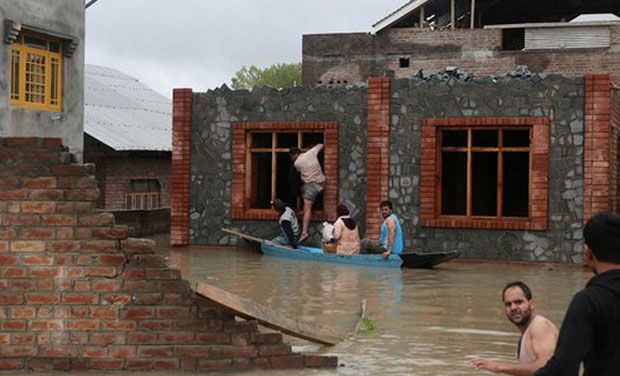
<point>202,43</point>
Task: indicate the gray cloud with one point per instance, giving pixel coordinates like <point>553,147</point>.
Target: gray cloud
<point>202,43</point>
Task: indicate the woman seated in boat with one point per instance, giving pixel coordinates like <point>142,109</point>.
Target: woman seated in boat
<point>287,219</point>
<point>346,232</point>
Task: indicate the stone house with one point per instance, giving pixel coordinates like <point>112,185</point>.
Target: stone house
<point>500,168</point>
<point>479,37</point>
<point>128,134</point>
<point>42,74</point>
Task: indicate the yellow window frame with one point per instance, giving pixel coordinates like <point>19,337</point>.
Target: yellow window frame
<point>52,70</point>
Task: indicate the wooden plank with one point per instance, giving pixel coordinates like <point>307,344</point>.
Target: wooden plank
<point>269,317</point>
<point>253,238</point>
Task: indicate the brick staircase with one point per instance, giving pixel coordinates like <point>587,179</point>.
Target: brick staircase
<point>76,293</point>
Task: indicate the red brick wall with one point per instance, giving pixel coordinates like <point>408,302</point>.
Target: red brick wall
<point>614,193</point>
<point>429,174</point>
<point>378,152</point>
<point>76,293</point>
<point>597,144</point>
<point>239,207</point>
<point>120,171</point>
<point>179,179</point>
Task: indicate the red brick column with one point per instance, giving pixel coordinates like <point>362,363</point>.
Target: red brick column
<point>597,131</point>
<point>378,153</point>
<point>179,178</point>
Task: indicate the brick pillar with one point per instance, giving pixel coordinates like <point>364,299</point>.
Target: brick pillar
<point>378,153</point>
<point>597,131</point>
<point>179,177</point>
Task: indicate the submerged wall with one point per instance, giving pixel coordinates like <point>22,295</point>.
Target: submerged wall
<point>77,293</point>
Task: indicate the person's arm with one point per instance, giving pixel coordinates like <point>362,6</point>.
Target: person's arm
<point>391,234</point>
<point>338,229</point>
<point>543,340</point>
<point>316,149</point>
<point>288,230</point>
<point>575,339</point>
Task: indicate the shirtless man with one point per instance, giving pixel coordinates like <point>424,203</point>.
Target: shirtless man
<point>307,163</point>
<point>538,335</point>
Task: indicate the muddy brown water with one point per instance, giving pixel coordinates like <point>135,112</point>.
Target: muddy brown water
<point>426,322</point>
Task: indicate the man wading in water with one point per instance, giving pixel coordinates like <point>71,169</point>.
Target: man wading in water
<point>538,334</point>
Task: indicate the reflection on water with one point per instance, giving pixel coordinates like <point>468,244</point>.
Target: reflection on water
<point>429,322</point>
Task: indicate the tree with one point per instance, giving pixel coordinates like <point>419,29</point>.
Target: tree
<point>277,76</point>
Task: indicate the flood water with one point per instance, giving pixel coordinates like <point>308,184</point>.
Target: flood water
<point>427,322</point>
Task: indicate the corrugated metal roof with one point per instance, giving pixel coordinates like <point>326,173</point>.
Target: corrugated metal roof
<point>596,17</point>
<point>125,114</point>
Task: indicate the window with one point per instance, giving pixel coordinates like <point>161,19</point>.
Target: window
<point>143,194</point>
<point>36,72</point>
<point>403,62</point>
<point>484,173</point>
<point>513,39</point>
<point>272,174</point>
<point>262,169</point>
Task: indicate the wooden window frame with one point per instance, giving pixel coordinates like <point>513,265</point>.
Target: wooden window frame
<point>430,175</point>
<point>52,67</point>
<point>240,200</point>
<point>138,196</point>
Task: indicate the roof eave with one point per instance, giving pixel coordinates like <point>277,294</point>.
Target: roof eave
<point>397,15</point>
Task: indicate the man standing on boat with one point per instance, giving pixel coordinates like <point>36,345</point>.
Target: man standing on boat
<point>590,331</point>
<point>287,219</point>
<point>391,240</point>
<point>307,163</point>
<point>538,334</point>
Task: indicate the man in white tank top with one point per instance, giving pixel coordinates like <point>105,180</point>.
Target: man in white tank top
<point>538,335</point>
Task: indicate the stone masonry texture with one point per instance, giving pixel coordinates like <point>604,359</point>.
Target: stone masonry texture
<point>560,100</point>
<point>76,293</point>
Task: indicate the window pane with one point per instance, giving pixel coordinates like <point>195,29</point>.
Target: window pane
<point>129,202</point>
<point>310,139</point>
<point>484,138</point>
<point>455,138</point>
<point>516,182</point>
<point>286,140</point>
<point>54,47</point>
<point>261,140</point>
<point>484,184</point>
<point>453,183</point>
<point>154,201</point>
<point>35,42</point>
<point>288,182</point>
<point>145,201</point>
<point>516,137</point>
<point>261,181</point>
<point>137,203</point>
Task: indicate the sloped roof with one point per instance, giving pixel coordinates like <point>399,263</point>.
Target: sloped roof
<point>597,17</point>
<point>125,114</point>
<point>398,14</point>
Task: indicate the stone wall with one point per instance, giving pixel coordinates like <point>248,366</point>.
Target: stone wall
<point>76,293</point>
<point>352,57</point>
<point>561,99</point>
<point>214,113</point>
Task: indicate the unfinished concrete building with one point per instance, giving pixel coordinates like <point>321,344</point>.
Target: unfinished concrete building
<point>479,37</point>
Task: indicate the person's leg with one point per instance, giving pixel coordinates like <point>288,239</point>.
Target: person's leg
<point>306,219</point>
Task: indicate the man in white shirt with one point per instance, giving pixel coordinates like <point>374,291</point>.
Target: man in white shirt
<point>307,163</point>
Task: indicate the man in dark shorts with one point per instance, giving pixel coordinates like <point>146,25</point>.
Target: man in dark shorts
<point>590,332</point>
<point>307,163</point>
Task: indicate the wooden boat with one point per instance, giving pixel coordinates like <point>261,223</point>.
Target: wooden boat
<point>405,260</point>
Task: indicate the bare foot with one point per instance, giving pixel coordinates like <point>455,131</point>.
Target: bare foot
<point>302,238</point>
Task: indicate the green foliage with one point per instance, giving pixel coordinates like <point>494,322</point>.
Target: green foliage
<point>277,76</point>
<point>367,325</point>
